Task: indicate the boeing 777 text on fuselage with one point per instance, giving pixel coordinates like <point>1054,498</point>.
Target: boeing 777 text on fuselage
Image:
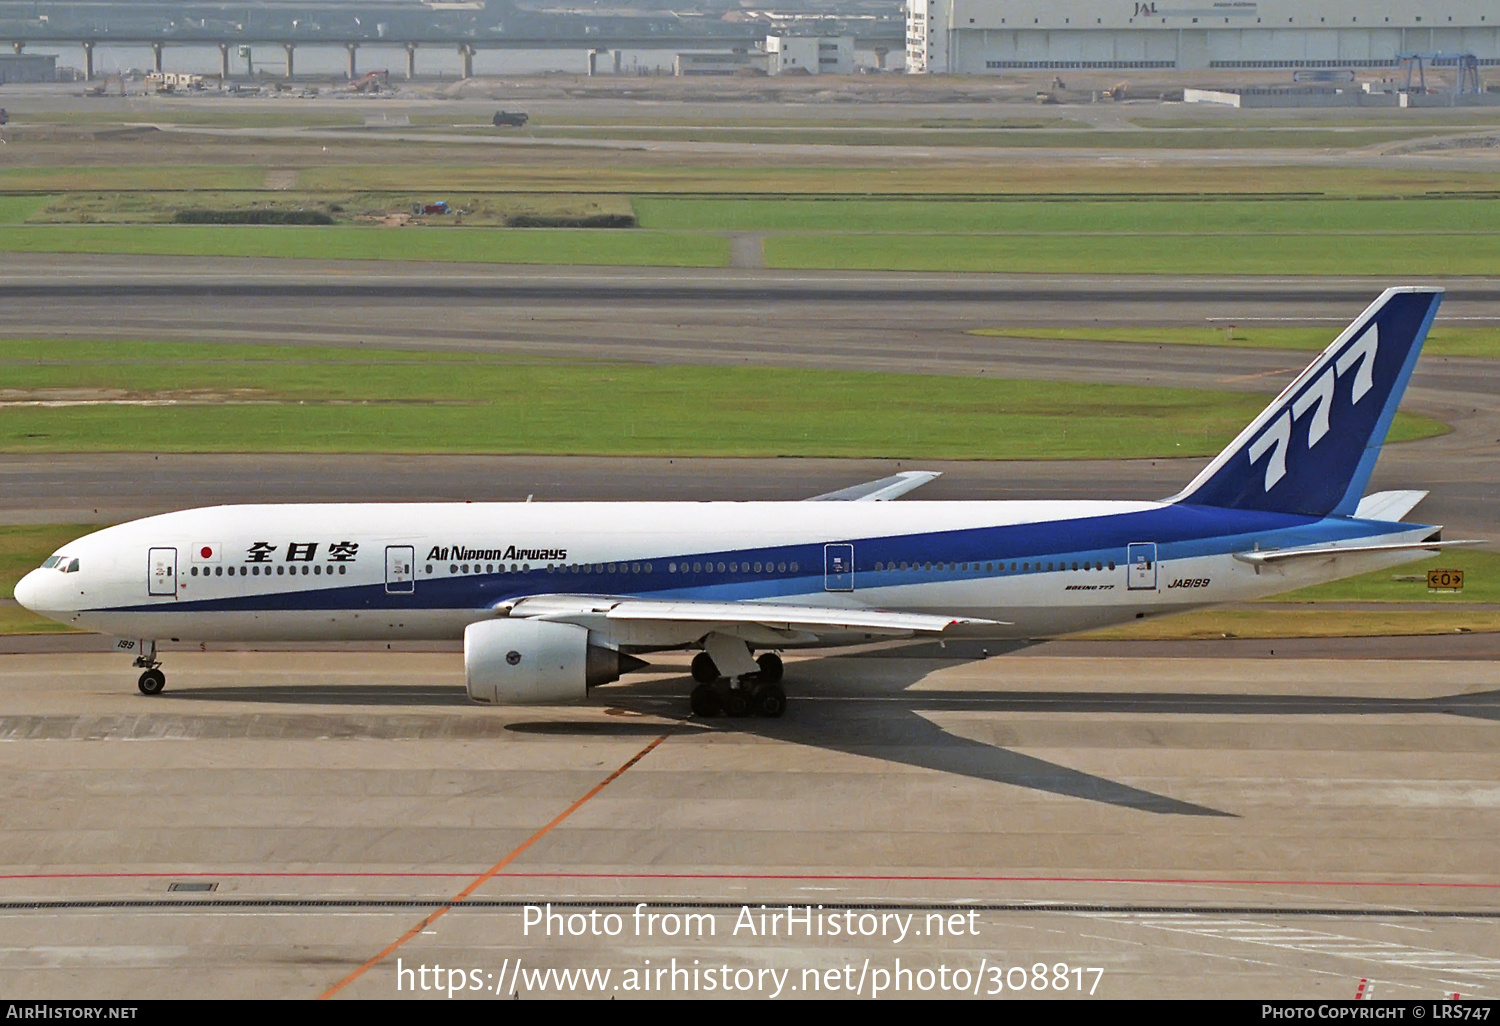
<point>554,598</point>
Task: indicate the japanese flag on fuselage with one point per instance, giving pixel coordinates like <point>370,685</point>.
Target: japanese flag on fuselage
<point>206,552</point>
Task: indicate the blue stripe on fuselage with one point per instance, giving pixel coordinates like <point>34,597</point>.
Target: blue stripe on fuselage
<point>1179,531</point>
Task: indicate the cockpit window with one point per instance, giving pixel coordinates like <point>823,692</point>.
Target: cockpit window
<point>72,567</point>
<point>51,562</point>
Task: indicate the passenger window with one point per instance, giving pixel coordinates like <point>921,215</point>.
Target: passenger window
<point>218,571</point>
<point>280,570</point>
<point>1111,564</point>
<point>318,569</point>
<point>1075,564</point>
<point>794,568</point>
<point>757,568</point>
<point>671,568</point>
<point>781,568</point>
<point>697,568</point>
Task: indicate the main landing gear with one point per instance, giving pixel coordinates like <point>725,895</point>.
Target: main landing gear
<point>758,693</point>
<point>153,680</point>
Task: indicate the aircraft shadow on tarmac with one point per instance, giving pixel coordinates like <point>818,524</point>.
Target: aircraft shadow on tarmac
<point>883,719</point>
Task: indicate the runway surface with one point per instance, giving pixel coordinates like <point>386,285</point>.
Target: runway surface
<point>1178,822</point>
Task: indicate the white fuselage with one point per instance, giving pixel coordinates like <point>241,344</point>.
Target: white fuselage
<point>427,570</point>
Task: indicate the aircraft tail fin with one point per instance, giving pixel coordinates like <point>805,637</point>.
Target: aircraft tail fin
<point>1312,450</point>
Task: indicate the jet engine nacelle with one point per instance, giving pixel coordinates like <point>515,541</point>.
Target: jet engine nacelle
<point>535,662</point>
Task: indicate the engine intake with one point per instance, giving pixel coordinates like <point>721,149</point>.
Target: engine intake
<point>536,662</point>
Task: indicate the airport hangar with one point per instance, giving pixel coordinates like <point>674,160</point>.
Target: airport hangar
<point>995,36</point>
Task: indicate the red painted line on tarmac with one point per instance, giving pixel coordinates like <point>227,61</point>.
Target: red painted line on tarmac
<point>490,873</point>
<point>739,877</point>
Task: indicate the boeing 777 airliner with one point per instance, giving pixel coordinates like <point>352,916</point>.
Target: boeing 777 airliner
<point>554,598</point>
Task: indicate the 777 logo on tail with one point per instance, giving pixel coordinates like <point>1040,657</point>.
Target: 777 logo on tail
<point>1317,398</point>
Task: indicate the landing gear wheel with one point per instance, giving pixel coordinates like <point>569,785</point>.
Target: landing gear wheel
<point>151,682</point>
<point>771,670</point>
<point>769,701</point>
<point>737,703</point>
<point>704,670</point>
<point>705,701</point>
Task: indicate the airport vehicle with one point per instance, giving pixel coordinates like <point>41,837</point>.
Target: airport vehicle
<point>554,598</point>
<point>509,119</point>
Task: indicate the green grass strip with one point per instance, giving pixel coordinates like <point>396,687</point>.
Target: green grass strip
<point>17,209</point>
<point>1481,580</point>
<point>479,245</point>
<point>1081,216</point>
<point>290,399</point>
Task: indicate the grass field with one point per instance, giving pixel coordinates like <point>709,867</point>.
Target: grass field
<point>1481,581</point>
<point>258,399</point>
<point>1441,341</point>
<point>1146,236</point>
<point>134,175</point>
<point>343,242</point>
<point>1080,216</point>
<point>17,209</point>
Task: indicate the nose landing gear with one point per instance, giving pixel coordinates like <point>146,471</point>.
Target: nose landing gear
<point>153,680</point>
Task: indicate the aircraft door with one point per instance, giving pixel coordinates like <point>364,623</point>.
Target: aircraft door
<point>838,568</point>
<point>400,570</point>
<point>161,576</point>
<point>1142,569</point>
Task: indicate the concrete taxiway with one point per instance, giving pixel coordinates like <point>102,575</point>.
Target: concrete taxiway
<point>1239,826</point>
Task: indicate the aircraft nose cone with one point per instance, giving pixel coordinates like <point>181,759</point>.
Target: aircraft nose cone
<point>29,590</point>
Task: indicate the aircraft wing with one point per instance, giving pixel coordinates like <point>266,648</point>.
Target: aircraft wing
<point>1267,557</point>
<point>783,617</point>
<point>885,489</point>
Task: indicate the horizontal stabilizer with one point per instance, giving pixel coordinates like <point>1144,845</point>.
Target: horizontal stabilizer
<point>1269,556</point>
<point>884,490</point>
<point>1388,506</point>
